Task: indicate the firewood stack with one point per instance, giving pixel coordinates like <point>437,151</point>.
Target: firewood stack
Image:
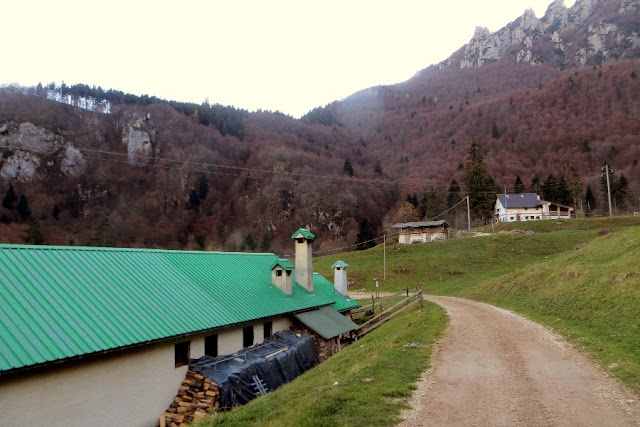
<point>197,397</point>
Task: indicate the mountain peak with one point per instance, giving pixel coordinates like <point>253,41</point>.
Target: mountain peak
<point>563,37</point>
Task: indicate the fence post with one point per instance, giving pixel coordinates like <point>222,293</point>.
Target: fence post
<point>420,295</point>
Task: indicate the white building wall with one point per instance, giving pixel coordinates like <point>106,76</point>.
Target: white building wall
<point>126,388</point>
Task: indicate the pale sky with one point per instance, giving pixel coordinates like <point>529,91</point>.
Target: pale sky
<point>282,55</point>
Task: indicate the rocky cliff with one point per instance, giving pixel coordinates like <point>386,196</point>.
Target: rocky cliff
<point>589,33</point>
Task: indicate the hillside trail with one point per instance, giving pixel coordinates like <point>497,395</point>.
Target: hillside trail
<point>495,368</point>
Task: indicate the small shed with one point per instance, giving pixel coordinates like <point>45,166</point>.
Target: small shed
<point>423,232</point>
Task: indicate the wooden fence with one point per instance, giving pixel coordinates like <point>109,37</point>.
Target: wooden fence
<point>389,313</point>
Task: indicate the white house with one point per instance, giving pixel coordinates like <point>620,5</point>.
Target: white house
<point>528,207</point>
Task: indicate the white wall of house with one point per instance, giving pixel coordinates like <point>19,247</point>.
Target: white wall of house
<point>530,214</point>
<point>408,237</point>
<point>125,388</point>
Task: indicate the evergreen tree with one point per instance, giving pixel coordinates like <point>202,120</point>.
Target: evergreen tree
<point>348,168</point>
<point>535,186</point>
<point>377,170</point>
<point>10,198</point>
<point>430,205</point>
<point>495,132</point>
<point>23,208</point>
<point>562,193</point>
<point>366,234</point>
<point>518,187</point>
<point>33,233</point>
<point>480,185</point>
<point>453,196</point>
<point>550,189</point>
<point>203,187</point>
<point>55,212</point>
<point>250,243</point>
<point>619,190</point>
<point>194,199</point>
<point>589,201</point>
<point>413,199</point>
<point>265,245</point>
<point>201,240</point>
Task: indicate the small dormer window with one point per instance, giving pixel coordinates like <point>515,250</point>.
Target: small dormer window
<point>288,272</point>
<point>337,268</point>
<point>300,240</point>
<point>278,273</point>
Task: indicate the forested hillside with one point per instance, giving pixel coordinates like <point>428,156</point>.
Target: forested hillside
<point>159,173</point>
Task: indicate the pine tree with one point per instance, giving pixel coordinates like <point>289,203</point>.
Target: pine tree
<point>535,186</point>
<point>250,243</point>
<point>563,194</point>
<point>203,187</point>
<point>377,170</point>
<point>366,234</point>
<point>453,196</point>
<point>518,187</point>
<point>194,199</point>
<point>550,189</point>
<point>495,132</point>
<point>589,201</point>
<point>348,168</point>
<point>23,208</point>
<point>10,198</point>
<point>33,232</point>
<point>480,185</point>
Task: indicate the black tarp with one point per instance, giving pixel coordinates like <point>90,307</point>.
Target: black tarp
<point>277,361</point>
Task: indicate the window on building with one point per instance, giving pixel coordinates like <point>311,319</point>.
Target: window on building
<point>247,336</point>
<point>278,273</point>
<point>211,345</point>
<point>268,330</point>
<point>182,351</point>
<point>288,272</point>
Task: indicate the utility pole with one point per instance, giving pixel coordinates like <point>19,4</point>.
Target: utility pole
<point>468,214</point>
<point>606,171</point>
<point>384,252</point>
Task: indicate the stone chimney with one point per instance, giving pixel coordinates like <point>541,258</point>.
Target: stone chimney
<point>304,261</point>
<point>340,277</point>
<point>281,276</point>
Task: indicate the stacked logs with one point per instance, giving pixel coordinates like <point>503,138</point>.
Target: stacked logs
<point>197,397</point>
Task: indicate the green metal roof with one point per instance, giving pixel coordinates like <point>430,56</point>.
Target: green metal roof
<point>305,233</point>
<point>63,302</point>
<point>340,264</point>
<point>325,287</point>
<point>327,322</point>
<point>284,263</point>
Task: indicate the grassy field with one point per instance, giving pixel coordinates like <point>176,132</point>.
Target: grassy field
<point>590,294</point>
<point>580,277</point>
<point>375,376</point>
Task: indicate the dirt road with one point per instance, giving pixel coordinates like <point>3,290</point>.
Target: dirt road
<point>493,367</point>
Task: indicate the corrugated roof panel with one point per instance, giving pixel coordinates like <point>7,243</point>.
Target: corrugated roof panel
<point>327,322</point>
<point>61,302</point>
<point>342,303</point>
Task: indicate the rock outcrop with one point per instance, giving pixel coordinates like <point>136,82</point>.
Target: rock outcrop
<point>577,36</point>
<point>140,141</point>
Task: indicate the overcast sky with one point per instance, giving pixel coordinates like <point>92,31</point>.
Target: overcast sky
<point>290,56</point>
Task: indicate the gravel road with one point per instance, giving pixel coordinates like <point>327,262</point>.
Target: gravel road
<point>495,368</point>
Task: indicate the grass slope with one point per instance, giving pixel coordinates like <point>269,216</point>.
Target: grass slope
<point>580,277</point>
<point>313,400</point>
<point>590,294</point>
